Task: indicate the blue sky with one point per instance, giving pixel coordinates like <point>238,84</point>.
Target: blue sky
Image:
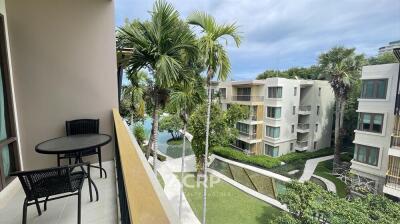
<point>279,34</point>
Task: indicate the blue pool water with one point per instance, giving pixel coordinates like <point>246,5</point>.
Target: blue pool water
<point>174,151</point>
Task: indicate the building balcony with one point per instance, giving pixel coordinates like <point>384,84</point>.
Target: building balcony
<point>301,146</point>
<point>305,109</point>
<point>392,184</point>
<point>395,142</point>
<point>248,98</point>
<point>303,127</point>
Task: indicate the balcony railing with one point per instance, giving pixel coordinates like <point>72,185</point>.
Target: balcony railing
<point>303,126</point>
<point>248,135</point>
<point>302,144</point>
<point>395,142</point>
<point>248,98</point>
<point>393,174</point>
<point>141,198</point>
<point>305,108</point>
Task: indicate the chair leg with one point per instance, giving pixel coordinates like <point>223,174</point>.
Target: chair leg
<point>45,204</point>
<point>79,207</point>
<point>101,167</point>
<point>69,161</point>
<point>38,207</point>
<point>58,160</point>
<point>90,184</point>
<point>24,211</point>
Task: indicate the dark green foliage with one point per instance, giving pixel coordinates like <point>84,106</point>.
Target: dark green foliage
<point>235,113</point>
<point>309,203</point>
<point>172,124</point>
<point>311,72</point>
<point>294,156</point>
<point>139,133</point>
<point>384,58</point>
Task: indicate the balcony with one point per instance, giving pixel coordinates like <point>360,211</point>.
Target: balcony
<point>130,194</point>
<point>305,109</point>
<point>248,98</point>
<point>395,142</point>
<point>301,145</point>
<point>303,127</point>
<point>248,136</point>
<point>392,184</point>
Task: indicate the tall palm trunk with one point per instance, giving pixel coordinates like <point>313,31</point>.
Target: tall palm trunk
<point>337,131</point>
<point>206,149</point>
<point>155,134</point>
<point>182,167</point>
<point>150,144</point>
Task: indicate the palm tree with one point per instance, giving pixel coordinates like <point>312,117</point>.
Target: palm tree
<point>133,94</point>
<point>158,45</point>
<point>216,61</point>
<point>184,99</point>
<point>341,66</point>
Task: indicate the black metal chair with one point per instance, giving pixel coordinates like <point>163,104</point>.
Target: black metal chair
<point>83,126</point>
<point>45,185</point>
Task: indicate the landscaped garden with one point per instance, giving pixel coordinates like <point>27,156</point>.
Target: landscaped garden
<point>227,204</point>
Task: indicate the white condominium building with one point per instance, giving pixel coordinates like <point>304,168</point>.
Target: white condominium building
<point>286,115</point>
<point>377,138</point>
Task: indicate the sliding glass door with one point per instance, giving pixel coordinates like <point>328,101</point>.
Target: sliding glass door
<point>8,147</point>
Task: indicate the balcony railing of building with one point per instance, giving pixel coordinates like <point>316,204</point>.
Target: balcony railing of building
<point>248,135</point>
<point>305,108</point>
<point>141,198</point>
<point>395,140</point>
<point>302,144</point>
<point>393,174</point>
<point>303,126</point>
<point>248,98</point>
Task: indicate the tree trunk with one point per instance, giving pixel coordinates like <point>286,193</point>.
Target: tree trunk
<point>206,150</point>
<point>336,159</point>
<point>182,170</point>
<point>150,145</point>
<point>155,134</point>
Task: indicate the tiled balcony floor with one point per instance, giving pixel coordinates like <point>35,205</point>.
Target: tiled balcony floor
<point>64,211</point>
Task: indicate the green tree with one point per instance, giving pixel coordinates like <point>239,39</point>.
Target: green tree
<point>139,133</point>
<point>185,97</point>
<point>385,58</point>
<point>171,123</point>
<point>309,203</point>
<point>160,45</point>
<point>341,66</point>
<point>235,113</point>
<point>216,61</point>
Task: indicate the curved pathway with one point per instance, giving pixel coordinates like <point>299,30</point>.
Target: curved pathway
<point>310,166</point>
<point>329,184</point>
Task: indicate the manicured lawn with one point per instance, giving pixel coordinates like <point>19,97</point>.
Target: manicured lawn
<point>324,169</point>
<point>227,204</point>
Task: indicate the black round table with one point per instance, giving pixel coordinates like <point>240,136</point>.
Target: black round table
<point>74,144</point>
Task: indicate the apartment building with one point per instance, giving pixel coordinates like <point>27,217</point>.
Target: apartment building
<point>286,115</point>
<point>377,141</point>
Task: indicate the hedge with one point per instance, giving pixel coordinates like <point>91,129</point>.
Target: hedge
<point>266,161</point>
<point>258,160</point>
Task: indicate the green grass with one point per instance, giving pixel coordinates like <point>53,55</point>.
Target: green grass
<point>175,142</point>
<point>227,204</point>
<point>324,169</point>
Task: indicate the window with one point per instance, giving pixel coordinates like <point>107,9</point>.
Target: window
<point>370,122</point>
<point>317,110</point>
<point>316,127</point>
<point>294,110</point>
<point>295,91</point>
<point>271,150</point>
<point>366,154</point>
<point>292,128</point>
<point>274,112</point>
<point>291,146</point>
<point>244,91</point>
<point>8,147</point>
<point>242,128</point>
<point>315,145</point>
<point>319,91</point>
<point>242,145</point>
<point>272,132</point>
<point>274,92</point>
<point>374,89</point>
<point>223,93</point>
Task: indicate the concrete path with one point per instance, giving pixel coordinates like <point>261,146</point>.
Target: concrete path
<point>310,166</point>
<point>329,184</point>
<point>173,186</point>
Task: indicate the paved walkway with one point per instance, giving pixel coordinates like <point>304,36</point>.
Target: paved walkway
<point>329,184</point>
<point>173,186</point>
<point>310,166</point>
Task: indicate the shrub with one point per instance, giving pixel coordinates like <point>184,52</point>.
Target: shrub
<point>294,156</point>
<point>139,133</point>
<point>258,160</point>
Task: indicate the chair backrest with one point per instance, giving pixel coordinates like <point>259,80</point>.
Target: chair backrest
<point>82,126</point>
<point>41,183</point>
